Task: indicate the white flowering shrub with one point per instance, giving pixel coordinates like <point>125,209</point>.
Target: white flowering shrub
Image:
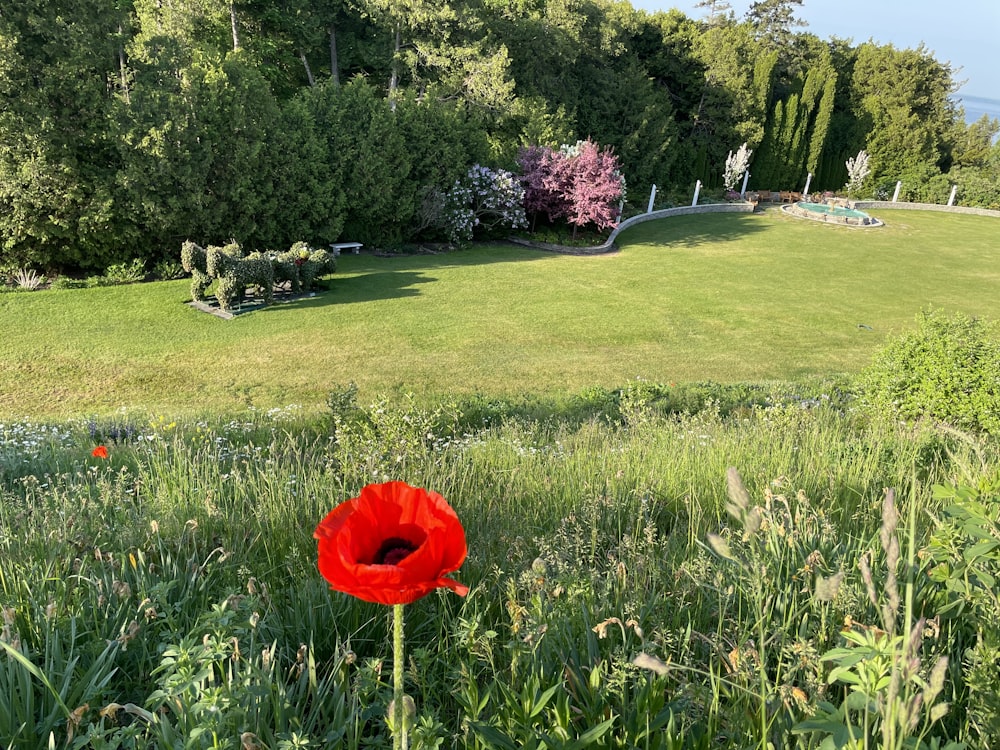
<point>736,166</point>
<point>857,171</point>
<point>487,198</point>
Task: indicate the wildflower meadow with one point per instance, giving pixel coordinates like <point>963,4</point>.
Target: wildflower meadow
<point>654,566</point>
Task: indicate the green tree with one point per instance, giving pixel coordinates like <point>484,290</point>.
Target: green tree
<point>368,157</point>
<point>304,202</point>
<point>196,150</point>
<point>441,47</point>
<point>821,127</point>
<point>904,96</point>
<point>58,80</point>
<point>441,138</point>
<point>774,20</point>
<point>973,143</point>
<point>716,11</point>
<point>735,97</point>
<point>976,164</point>
<point>627,112</point>
<point>796,133</point>
<point>183,28</point>
<point>847,133</point>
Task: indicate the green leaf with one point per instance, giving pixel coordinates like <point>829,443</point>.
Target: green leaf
<point>978,550</point>
<point>493,736</point>
<point>988,580</point>
<point>592,735</point>
<point>542,701</point>
<point>843,674</point>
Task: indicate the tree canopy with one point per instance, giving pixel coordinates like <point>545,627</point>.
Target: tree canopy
<point>128,126</point>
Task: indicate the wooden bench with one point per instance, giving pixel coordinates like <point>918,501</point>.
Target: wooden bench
<point>339,247</point>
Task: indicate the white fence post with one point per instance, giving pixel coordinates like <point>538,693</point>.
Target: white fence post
<point>652,197</point>
<point>951,199</point>
<point>895,195</point>
<point>809,179</point>
<point>697,189</point>
<point>746,178</point>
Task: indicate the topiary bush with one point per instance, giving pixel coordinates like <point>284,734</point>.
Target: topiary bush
<point>234,273</point>
<point>947,370</point>
<point>313,264</point>
<point>194,260</point>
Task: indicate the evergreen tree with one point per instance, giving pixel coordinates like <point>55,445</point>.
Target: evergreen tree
<point>368,158</point>
<point>736,92</point>
<point>716,11</point>
<point>774,20</point>
<point>59,77</point>
<point>903,95</point>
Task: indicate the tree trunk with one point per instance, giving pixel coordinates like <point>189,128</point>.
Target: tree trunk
<point>123,71</point>
<point>334,63</point>
<point>305,63</point>
<point>394,78</point>
<point>232,21</point>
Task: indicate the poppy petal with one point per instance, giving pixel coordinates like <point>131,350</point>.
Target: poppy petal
<point>353,537</point>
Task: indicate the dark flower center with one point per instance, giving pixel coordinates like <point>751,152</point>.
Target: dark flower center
<point>393,550</point>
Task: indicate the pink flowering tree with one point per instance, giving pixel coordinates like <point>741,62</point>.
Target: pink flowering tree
<point>596,187</point>
<point>541,195</point>
<point>580,183</point>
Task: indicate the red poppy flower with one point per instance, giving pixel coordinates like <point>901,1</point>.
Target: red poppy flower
<point>100,452</point>
<point>391,545</point>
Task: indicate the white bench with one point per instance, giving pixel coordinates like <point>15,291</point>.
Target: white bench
<point>339,247</point>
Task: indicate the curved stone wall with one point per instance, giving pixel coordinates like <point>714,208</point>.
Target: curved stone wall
<point>745,208</point>
<point>709,208</point>
<point>865,205</point>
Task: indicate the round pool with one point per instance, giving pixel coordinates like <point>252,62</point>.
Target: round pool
<point>832,213</point>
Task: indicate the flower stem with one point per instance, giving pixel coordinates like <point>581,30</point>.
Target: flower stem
<point>399,738</point>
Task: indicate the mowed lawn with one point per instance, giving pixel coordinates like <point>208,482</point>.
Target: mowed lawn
<point>724,297</point>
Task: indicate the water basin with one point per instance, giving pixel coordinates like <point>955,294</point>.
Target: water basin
<point>832,212</point>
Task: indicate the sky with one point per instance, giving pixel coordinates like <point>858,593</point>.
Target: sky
<point>961,32</point>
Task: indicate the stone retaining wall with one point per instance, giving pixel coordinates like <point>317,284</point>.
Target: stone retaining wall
<point>866,205</point>
<point>714,208</point>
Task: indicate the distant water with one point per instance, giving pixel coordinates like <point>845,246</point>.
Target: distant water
<point>977,106</point>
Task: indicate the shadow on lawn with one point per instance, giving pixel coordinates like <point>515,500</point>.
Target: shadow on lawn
<point>476,254</point>
<point>364,287</point>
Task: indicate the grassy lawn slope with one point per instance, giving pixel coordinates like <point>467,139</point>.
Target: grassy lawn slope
<point>725,297</point>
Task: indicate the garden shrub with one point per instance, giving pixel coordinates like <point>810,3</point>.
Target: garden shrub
<point>168,270</point>
<point>300,266</point>
<point>314,263</point>
<point>485,199</point>
<point>580,183</point>
<point>126,273</point>
<point>286,267</point>
<point>963,559</point>
<point>947,370</point>
<point>68,282</point>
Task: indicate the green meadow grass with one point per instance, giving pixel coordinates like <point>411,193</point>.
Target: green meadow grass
<point>168,596</point>
<point>728,298</point>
